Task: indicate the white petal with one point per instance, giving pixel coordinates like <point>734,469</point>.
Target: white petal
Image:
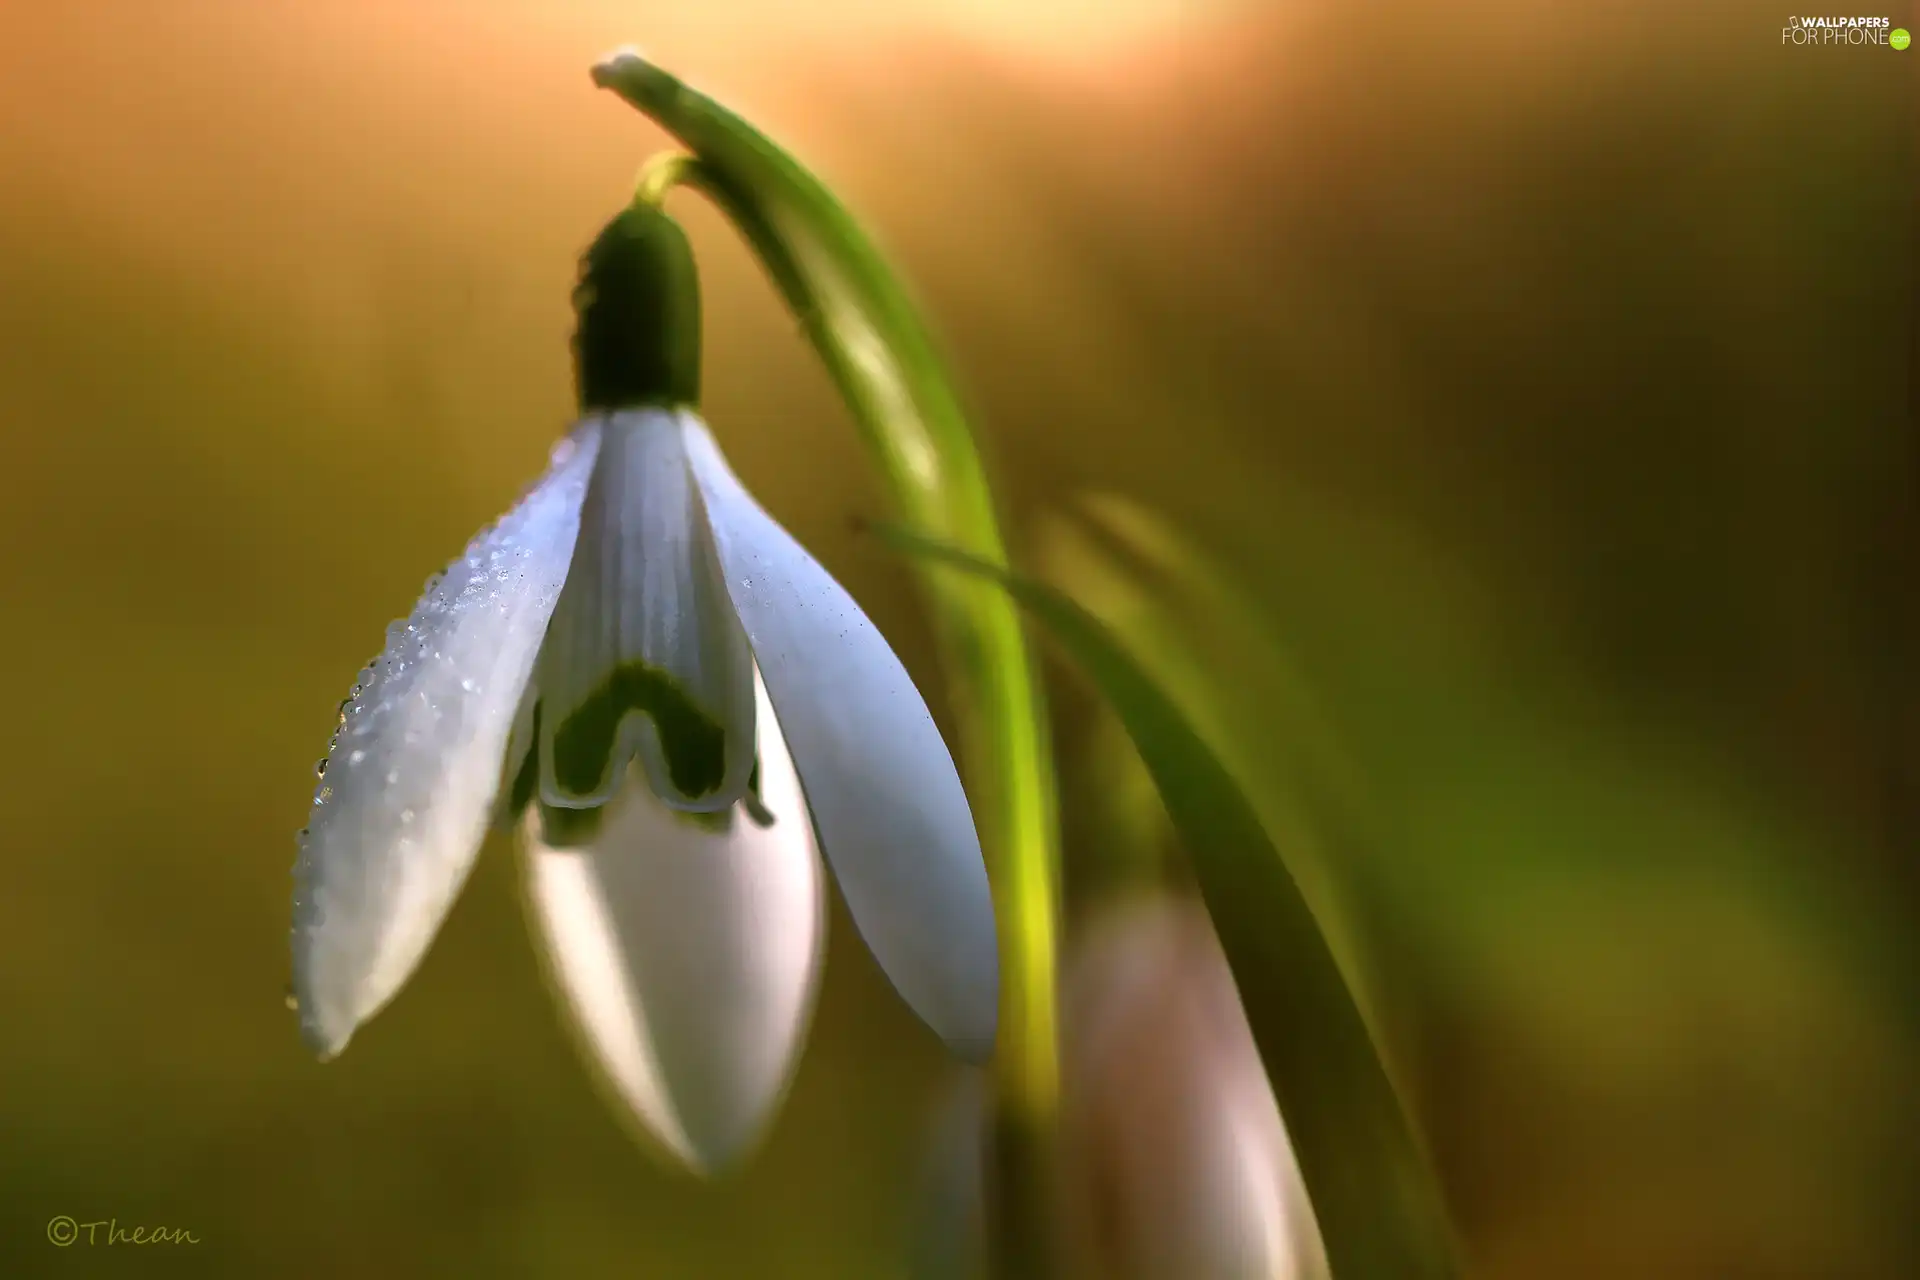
<point>688,957</point>
<point>893,820</point>
<point>645,657</point>
<point>515,792</point>
<point>407,790</point>
<point>1177,1162</point>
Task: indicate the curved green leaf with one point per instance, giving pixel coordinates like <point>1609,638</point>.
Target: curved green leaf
<point>1199,632</point>
<point>1378,1204</point>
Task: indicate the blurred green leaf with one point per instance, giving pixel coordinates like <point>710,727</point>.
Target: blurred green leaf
<point>1202,635</point>
<point>1377,1202</point>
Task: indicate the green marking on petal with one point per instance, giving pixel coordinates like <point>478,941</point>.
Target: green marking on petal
<point>570,828</point>
<point>692,741</point>
<point>721,822</point>
<point>756,807</point>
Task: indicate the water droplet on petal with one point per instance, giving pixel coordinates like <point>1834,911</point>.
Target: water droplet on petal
<point>393,776</point>
<point>320,770</point>
<point>356,757</point>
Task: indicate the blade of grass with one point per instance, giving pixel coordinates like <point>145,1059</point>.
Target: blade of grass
<point>1377,1202</point>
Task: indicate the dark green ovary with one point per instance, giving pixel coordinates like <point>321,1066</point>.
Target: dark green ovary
<point>693,742</point>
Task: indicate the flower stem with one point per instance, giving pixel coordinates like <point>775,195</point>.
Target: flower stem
<point>869,335</point>
<point>662,173</point>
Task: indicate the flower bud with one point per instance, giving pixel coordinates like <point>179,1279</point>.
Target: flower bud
<point>1176,1163</point>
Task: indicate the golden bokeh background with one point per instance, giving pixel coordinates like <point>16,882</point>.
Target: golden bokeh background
<point>1544,371</point>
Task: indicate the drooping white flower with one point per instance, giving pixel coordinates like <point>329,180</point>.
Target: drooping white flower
<point>669,697</point>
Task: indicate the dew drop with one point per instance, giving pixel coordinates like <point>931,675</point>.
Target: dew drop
<point>357,756</point>
<point>293,1001</point>
<point>320,770</point>
<point>393,776</point>
<point>406,815</point>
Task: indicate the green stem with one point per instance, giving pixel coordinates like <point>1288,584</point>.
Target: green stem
<point>661,174</point>
<point>880,357</point>
<point>1380,1209</point>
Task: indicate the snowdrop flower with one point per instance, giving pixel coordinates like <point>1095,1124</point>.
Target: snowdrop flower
<point>1177,1163</point>
<point>642,672</point>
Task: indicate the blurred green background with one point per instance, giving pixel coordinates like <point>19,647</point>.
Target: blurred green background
<point>1542,372</point>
